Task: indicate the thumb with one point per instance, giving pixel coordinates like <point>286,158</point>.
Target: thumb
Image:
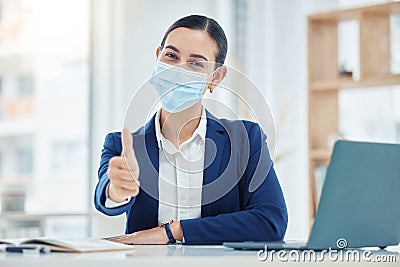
<point>129,153</point>
<point>127,144</point>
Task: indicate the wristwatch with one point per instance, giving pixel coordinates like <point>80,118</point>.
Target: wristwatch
<point>167,228</point>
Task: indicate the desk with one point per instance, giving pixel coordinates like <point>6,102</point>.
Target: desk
<point>173,255</point>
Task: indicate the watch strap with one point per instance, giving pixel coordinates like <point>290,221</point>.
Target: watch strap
<point>171,238</point>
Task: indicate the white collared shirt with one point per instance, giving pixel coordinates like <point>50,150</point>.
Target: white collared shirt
<point>180,175</point>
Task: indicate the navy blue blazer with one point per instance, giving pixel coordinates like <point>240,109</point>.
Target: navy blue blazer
<point>241,197</point>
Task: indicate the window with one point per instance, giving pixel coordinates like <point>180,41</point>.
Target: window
<point>1,92</point>
<point>66,155</point>
<point>24,160</point>
<point>25,85</point>
<point>44,107</point>
<point>1,164</point>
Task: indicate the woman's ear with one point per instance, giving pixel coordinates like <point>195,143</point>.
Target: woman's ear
<point>218,76</point>
<point>158,51</point>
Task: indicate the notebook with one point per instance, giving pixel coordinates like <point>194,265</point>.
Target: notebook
<point>69,245</point>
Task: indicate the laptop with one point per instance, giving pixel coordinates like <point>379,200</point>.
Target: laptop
<point>359,204</point>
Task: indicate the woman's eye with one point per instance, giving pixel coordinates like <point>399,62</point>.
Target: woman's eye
<point>171,56</point>
<point>197,64</point>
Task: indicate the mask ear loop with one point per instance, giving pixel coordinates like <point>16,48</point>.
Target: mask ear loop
<point>212,73</point>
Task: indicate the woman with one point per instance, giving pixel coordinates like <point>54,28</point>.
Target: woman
<point>187,175</point>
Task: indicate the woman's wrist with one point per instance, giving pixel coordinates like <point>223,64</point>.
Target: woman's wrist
<point>176,229</point>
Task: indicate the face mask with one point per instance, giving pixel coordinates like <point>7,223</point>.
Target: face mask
<point>177,87</point>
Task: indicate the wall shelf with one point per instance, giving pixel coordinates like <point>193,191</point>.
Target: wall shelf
<point>348,83</point>
<point>325,83</point>
<point>320,154</point>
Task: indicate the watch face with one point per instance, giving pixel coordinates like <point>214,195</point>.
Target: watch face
<point>166,222</point>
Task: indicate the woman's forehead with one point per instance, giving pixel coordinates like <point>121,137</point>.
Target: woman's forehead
<point>190,41</point>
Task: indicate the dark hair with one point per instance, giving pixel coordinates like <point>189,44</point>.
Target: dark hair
<point>203,23</point>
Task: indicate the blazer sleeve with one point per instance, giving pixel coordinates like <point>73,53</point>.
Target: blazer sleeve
<point>263,216</point>
<point>109,150</point>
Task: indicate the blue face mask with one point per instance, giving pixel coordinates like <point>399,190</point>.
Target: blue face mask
<point>177,87</point>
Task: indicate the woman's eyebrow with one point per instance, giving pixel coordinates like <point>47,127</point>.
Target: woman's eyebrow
<point>173,48</point>
<point>191,55</point>
<point>199,56</point>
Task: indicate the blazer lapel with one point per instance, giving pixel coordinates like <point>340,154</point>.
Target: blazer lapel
<point>146,149</point>
<point>214,148</point>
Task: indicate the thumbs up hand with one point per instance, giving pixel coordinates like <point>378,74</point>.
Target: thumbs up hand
<point>123,171</point>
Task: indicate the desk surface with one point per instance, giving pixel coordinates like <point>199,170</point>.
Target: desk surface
<point>174,255</point>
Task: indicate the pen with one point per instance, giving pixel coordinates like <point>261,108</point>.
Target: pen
<point>27,249</point>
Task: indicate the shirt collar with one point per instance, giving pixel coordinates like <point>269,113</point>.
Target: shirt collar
<point>200,130</point>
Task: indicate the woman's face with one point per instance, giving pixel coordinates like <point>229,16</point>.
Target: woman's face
<point>194,50</point>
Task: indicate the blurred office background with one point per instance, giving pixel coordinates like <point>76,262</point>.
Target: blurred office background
<point>68,69</point>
